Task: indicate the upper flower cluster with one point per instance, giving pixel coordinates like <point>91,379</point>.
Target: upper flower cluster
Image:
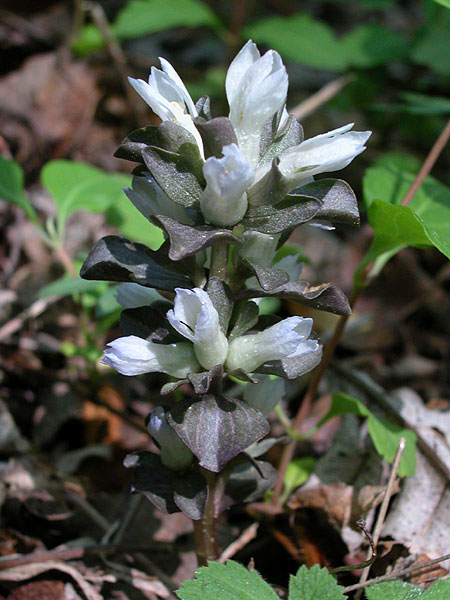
<point>260,136</point>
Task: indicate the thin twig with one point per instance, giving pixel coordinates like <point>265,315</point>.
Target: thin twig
<point>384,507</point>
<point>428,164</point>
<point>326,93</point>
<point>246,536</point>
<point>370,557</point>
<point>396,574</point>
<point>98,15</point>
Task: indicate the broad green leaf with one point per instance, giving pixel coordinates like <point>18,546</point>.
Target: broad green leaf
<point>433,49</point>
<point>141,17</point>
<point>78,186</point>
<point>445,3</point>
<point>300,39</point>
<point>11,187</point>
<point>133,225</point>
<point>314,584</point>
<point>230,581</point>
<point>399,590</point>
<point>421,104</point>
<point>297,473</point>
<point>425,222</point>
<point>371,45</point>
<point>68,286</point>
<point>385,435</point>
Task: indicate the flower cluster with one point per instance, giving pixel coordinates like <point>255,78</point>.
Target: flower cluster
<point>227,192</point>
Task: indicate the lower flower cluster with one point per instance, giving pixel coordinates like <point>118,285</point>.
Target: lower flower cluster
<point>196,319</point>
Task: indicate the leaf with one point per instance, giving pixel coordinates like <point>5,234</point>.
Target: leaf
<point>268,277</point>
<point>141,17</point>
<point>117,259</point>
<point>66,286</point>
<point>300,39</point>
<point>282,216</point>
<point>173,173</point>
<point>170,491</point>
<point>314,584</point>
<point>384,434</point>
<point>371,45</point>
<point>445,3</point>
<point>400,590</point>
<point>291,368</point>
<point>186,240</point>
<point>11,187</point>
<point>248,482</point>
<point>297,473</point>
<point>420,104</point>
<point>132,224</point>
<point>246,317</point>
<point>222,300</point>
<point>425,222</point>
<point>77,186</point>
<point>433,48</point>
<point>216,429</point>
<point>230,581</point>
<point>273,142</point>
<point>339,203</point>
<point>131,147</point>
<point>326,296</point>
<point>149,323</point>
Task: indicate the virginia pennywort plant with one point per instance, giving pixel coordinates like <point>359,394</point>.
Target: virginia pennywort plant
<point>227,192</point>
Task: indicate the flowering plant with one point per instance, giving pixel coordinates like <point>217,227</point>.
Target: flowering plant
<point>227,192</point>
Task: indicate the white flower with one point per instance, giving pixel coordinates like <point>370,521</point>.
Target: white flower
<point>327,152</point>
<point>133,295</point>
<point>132,355</point>
<point>150,200</point>
<point>286,339</point>
<point>195,317</point>
<point>175,454</point>
<point>259,248</point>
<point>168,97</point>
<point>256,88</point>
<point>224,200</point>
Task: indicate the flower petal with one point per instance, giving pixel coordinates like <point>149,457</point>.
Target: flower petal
<point>248,55</point>
<point>132,355</point>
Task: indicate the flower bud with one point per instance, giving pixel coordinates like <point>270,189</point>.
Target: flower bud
<point>175,454</point>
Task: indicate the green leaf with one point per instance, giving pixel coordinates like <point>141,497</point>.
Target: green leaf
<point>141,17</point>
<point>400,590</point>
<point>78,186</point>
<point>300,39</point>
<point>371,45</point>
<point>11,187</point>
<point>421,104</point>
<point>314,584</point>
<point>133,225</point>
<point>425,222</point>
<point>297,473</point>
<point>385,435</point>
<point>433,49</point>
<point>230,581</point>
<point>68,286</point>
<point>445,3</point>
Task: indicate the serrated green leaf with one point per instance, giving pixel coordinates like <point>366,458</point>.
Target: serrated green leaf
<point>11,187</point>
<point>400,590</point>
<point>68,286</point>
<point>78,186</point>
<point>230,581</point>
<point>314,584</point>
<point>300,39</point>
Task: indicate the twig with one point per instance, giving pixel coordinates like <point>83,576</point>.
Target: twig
<point>428,164</point>
<point>246,536</point>
<point>98,15</point>
<point>326,93</point>
<point>33,311</point>
<point>371,556</point>
<point>396,574</point>
<point>384,507</point>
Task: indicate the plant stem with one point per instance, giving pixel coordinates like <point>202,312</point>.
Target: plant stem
<point>205,530</point>
<point>219,261</point>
